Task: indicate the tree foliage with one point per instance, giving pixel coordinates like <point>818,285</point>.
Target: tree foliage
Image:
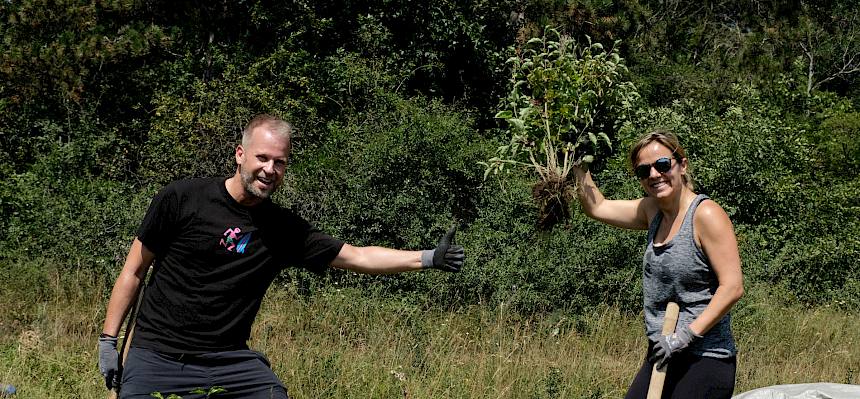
<point>103,102</point>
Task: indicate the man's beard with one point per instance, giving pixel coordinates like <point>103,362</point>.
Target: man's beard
<point>248,184</point>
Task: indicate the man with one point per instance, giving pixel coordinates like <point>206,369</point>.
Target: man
<point>217,244</point>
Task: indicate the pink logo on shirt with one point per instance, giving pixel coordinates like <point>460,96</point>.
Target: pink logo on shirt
<point>235,241</point>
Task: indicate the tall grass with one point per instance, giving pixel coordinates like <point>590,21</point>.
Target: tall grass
<point>348,344</point>
<point>340,344</point>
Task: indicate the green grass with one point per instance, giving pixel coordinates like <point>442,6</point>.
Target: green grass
<point>346,344</point>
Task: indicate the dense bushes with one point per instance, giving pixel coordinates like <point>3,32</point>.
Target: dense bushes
<point>796,213</point>
<point>393,116</point>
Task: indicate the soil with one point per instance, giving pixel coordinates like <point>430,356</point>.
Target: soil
<point>553,199</point>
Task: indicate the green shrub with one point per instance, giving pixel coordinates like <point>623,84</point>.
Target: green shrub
<point>797,222</point>
<point>101,105</point>
<point>837,144</point>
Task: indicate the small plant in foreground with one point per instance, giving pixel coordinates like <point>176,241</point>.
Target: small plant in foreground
<point>564,96</point>
<point>208,392</point>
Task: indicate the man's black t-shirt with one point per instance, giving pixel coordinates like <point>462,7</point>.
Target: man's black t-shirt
<point>214,261</point>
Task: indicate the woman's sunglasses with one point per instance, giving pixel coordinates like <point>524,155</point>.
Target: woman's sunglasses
<point>644,170</point>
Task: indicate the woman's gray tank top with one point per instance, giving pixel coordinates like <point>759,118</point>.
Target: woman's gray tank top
<point>678,271</point>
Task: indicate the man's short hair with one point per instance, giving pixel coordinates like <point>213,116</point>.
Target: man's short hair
<point>275,124</point>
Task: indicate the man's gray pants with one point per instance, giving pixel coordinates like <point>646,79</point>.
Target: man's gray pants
<point>242,373</point>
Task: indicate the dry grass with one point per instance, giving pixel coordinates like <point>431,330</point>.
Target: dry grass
<point>393,350</point>
<point>795,345</point>
<point>343,344</point>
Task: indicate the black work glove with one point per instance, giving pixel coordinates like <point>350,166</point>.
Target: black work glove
<point>447,256</point>
<point>671,344</point>
<point>108,359</point>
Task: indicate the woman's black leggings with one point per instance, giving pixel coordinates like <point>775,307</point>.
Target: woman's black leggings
<point>689,376</point>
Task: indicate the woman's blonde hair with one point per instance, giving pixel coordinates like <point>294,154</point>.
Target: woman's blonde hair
<point>670,141</point>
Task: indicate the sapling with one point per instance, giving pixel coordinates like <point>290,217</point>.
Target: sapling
<point>199,391</point>
<point>565,101</point>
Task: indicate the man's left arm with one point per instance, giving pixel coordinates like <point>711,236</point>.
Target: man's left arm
<point>446,256</point>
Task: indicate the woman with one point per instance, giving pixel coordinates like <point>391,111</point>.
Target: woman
<point>691,259</point>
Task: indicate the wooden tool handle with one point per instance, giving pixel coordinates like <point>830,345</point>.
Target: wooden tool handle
<point>129,331</point>
<point>113,394</point>
<point>658,377</point>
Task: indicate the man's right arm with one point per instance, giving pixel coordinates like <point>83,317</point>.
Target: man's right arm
<point>125,289</point>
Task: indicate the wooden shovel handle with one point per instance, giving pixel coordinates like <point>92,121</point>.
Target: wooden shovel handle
<point>658,377</point>
<point>129,329</point>
<point>113,394</point>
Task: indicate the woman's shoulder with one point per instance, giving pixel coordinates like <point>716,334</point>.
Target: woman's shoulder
<point>709,208</point>
<point>710,217</point>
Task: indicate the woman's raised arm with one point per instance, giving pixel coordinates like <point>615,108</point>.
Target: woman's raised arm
<point>628,214</point>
